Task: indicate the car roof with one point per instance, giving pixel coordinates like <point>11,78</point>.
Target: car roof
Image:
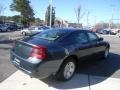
<point>71,30</point>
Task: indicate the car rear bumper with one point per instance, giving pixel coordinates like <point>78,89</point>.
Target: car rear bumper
<point>41,70</point>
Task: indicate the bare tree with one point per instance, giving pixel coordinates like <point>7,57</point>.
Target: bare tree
<point>79,14</point>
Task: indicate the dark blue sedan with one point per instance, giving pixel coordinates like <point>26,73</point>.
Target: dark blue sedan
<point>56,52</point>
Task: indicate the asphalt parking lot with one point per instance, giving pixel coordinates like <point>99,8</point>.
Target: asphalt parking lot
<point>10,35</point>
<point>107,68</point>
<point>6,68</point>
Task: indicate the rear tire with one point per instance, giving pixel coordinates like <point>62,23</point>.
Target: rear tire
<point>67,70</point>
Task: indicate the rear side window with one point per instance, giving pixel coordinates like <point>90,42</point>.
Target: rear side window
<point>92,36</point>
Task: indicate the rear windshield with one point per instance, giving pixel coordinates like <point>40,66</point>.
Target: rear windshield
<point>50,34</point>
<point>44,27</point>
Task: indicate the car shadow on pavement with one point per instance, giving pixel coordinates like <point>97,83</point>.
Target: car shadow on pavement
<point>94,67</point>
<point>101,67</point>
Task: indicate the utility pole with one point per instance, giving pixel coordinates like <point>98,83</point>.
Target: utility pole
<point>95,21</point>
<point>3,15</point>
<point>111,22</point>
<point>88,18</point>
<point>2,9</point>
<point>50,13</point>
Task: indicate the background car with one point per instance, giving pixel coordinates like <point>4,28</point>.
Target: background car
<point>12,27</point>
<point>33,30</point>
<point>56,52</point>
<point>20,26</point>
<point>106,32</point>
<point>118,34</point>
<point>3,28</point>
<point>103,31</point>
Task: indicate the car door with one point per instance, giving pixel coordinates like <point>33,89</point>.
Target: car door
<point>32,30</point>
<point>80,44</point>
<point>95,44</point>
<point>36,30</point>
<point>84,46</point>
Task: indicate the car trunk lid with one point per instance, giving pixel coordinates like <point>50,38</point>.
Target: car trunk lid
<point>22,49</point>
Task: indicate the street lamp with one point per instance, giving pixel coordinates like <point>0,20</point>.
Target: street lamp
<point>3,15</point>
<point>50,13</point>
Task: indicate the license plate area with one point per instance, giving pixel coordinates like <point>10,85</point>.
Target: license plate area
<point>16,61</point>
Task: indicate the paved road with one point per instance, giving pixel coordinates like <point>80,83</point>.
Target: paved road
<point>14,33</point>
<point>6,68</point>
<point>107,68</point>
<point>9,35</point>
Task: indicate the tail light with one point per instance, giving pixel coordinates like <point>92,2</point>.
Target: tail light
<point>38,52</point>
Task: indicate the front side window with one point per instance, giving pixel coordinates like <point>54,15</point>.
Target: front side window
<point>78,37</point>
<point>50,35</point>
<point>92,36</point>
<point>82,38</point>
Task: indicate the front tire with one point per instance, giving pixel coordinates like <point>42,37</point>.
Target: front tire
<point>106,53</point>
<point>67,70</point>
<point>24,33</point>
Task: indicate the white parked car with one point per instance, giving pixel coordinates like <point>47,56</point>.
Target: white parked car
<point>118,34</point>
<point>33,30</point>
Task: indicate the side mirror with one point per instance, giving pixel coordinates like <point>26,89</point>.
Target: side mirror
<point>100,39</point>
